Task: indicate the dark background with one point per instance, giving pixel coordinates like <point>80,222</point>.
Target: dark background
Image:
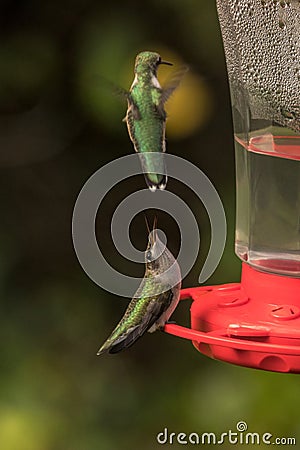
<point>58,126</point>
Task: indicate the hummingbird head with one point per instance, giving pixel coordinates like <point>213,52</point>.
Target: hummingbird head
<point>148,62</point>
<point>157,256</point>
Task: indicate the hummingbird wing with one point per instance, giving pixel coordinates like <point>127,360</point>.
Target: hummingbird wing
<point>110,86</point>
<point>170,87</point>
<point>120,92</point>
<point>132,107</point>
<point>157,306</point>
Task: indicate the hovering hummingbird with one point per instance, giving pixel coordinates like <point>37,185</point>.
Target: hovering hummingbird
<point>146,116</point>
<point>154,301</point>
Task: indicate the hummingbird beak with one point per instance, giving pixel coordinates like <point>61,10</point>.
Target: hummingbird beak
<point>150,234</point>
<point>166,63</point>
<point>154,228</point>
<point>147,224</point>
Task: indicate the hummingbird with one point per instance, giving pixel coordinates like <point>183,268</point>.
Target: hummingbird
<point>154,301</point>
<point>146,116</point>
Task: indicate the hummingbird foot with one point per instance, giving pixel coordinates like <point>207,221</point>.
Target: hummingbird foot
<point>169,322</point>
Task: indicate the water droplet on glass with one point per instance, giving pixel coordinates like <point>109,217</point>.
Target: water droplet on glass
<point>287,114</point>
<point>282,24</point>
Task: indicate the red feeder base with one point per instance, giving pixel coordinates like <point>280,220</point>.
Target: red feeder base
<point>255,323</point>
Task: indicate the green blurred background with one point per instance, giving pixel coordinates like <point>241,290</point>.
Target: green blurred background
<point>58,126</point>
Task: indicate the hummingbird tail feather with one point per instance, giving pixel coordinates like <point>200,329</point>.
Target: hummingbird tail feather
<point>102,350</point>
<point>161,182</point>
<point>125,341</point>
<point>115,344</point>
<point>154,169</point>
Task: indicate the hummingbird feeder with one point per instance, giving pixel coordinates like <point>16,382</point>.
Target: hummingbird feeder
<point>256,323</point>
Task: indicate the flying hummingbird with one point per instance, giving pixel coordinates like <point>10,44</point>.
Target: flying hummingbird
<point>146,116</point>
<point>154,301</point>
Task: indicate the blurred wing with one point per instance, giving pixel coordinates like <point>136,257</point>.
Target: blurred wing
<point>133,108</point>
<point>122,93</point>
<point>103,83</point>
<point>172,84</point>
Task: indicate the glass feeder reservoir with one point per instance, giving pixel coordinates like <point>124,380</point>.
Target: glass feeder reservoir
<point>256,323</point>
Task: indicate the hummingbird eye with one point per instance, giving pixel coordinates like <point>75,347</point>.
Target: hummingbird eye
<point>149,256</point>
<point>158,60</point>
